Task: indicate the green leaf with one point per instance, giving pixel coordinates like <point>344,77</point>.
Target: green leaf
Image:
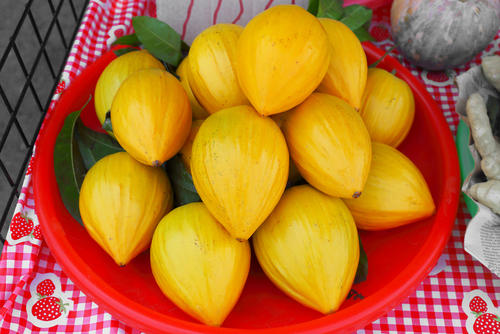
<point>375,64</point>
<point>107,123</point>
<point>332,9</point>
<point>355,16</point>
<point>493,108</point>
<point>121,52</point>
<point>68,164</point>
<point>158,38</point>
<point>94,145</point>
<point>363,34</point>
<point>362,271</point>
<point>313,7</point>
<point>131,40</point>
<point>182,182</point>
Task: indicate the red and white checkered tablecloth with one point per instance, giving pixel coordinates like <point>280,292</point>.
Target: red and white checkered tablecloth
<point>435,307</point>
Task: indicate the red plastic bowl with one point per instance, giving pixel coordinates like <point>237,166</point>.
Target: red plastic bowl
<point>399,259</point>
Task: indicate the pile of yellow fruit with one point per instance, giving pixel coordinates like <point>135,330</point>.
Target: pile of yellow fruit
<point>332,119</point>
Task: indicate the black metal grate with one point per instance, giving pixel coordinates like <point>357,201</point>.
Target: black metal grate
<point>30,66</point>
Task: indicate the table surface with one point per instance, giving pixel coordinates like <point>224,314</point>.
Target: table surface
<point>435,306</point>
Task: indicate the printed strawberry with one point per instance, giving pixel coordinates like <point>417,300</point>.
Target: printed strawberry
<point>478,305</point>
<point>45,288</point>
<point>380,33</point>
<point>20,226</point>
<point>60,86</point>
<point>37,233</point>
<point>487,323</point>
<point>48,308</point>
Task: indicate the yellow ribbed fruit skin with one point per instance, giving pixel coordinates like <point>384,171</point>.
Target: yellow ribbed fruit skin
<point>282,56</point>
<point>388,107</point>
<point>115,73</point>
<point>212,73</point>
<point>187,150</point>
<point>309,248</point>
<point>329,144</point>
<point>293,172</point>
<point>121,202</point>
<point>197,264</point>
<point>183,72</point>
<point>346,75</point>
<point>240,168</point>
<point>151,116</point>
<point>395,193</point>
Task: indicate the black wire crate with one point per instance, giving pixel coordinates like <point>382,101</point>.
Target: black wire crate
<point>32,59</point>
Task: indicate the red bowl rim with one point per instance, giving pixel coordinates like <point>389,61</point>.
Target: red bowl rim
<point>361,313</point>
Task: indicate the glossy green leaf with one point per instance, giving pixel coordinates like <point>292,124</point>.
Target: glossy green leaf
<point>182,182</point>
<point>121,52</point>
<point>313,7</point>
<point>94,145</point>
<point>68,164</point>
<point>131,40</point>
<point>161,40</point>
<point>355,16</point>
<point>363,34</point>
<point>332,9</point>
<point>362,271</point>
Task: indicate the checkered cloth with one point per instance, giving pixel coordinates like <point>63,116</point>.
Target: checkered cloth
<point>435,307</point>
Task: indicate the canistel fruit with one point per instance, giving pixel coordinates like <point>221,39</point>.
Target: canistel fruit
<point>151,116</point>
<point>187,149</point>
<point>197,264</point>
<point>329,144</point>
<point>121,202</point>
<point>212,73</point>
<point>308,247</point>
<point>388,107</point>
<point>346,75</point>
<point>115,73</point>
<point>183,72</point>
<point>282,56</point>
<point>240,168</point>
<point>395,193</point>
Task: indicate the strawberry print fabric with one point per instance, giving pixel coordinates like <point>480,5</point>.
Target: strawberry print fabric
<point>36,295</point>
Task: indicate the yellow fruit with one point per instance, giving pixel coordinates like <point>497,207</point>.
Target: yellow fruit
<point>293,172</point>
<point>151,116</point>
<point>197,264</point>
<point>212,75</point>
<point>187,149</point>
<point>395,193</point>
<point>121,202</point>
<point>183,73</point>
<point>346,75</point>
<point>282,56</point>
<point>388,107</point>
<point>329,144</point>
<point>240,168</point>
<point>115,73</point>
<point>309,248</point>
